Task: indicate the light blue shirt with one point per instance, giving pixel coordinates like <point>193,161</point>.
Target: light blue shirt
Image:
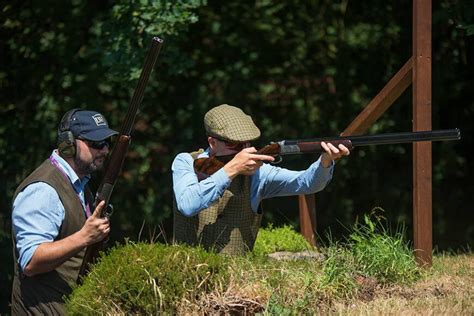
<point>38,212</point>
<point>192,195</point>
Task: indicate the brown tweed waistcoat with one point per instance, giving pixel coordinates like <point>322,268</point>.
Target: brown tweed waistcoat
<point>42,294</point>
<point>227,226</point>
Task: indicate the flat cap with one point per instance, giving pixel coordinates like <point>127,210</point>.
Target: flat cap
<point>231,124</point>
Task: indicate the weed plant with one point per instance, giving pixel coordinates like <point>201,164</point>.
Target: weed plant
<point>380,254</point>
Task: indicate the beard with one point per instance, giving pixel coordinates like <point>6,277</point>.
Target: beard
<point>88,167</point>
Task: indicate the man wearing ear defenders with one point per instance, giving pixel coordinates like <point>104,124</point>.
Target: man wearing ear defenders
<point>54,219</point>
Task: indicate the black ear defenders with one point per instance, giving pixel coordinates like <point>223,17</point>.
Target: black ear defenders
<point>66,141</point>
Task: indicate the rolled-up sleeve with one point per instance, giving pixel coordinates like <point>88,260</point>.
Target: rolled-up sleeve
<point>36,218</point>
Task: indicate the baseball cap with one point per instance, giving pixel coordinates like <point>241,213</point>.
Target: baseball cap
<point>90,125</point>
<point>230,123</point>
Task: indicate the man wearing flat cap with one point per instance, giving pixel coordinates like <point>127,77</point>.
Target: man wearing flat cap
<point>222,212</point>
<point>51,219</point>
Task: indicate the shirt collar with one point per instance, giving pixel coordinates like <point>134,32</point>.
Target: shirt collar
<point>69,172</point>
<point>205,153</point>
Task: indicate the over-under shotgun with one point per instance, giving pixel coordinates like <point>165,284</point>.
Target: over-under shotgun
<point>117,157</point>
<point>205,167</point>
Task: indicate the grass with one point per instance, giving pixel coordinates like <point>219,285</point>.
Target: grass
<point>274,239</point>
<point>146,278</point>
<point>445,289</point>
<point>373,271</point>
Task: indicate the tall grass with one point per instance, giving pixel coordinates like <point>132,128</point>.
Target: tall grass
<point>380,254</point>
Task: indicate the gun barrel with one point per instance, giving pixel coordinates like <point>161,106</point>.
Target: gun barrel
<point>402,138</point>
<point>139,92</point>
<point>390,138</point>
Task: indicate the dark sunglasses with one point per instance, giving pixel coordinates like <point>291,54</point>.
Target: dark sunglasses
<point>234,146</point>
<point>97,144</point>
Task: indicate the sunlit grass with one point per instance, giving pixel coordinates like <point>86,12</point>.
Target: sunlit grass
<point>373,271</point>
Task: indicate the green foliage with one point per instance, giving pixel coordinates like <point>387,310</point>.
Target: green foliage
<point>147,279</point>
<point>273,239</point>
<point>122,36</point>
<point>379,254</point>
<point>337,279</point>
<point>371,251</point>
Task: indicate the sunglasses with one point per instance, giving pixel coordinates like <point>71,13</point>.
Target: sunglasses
<point>235,146</point>
<point>97,144</point>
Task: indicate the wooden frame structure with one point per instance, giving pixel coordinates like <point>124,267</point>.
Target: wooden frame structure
<point>416,71</point>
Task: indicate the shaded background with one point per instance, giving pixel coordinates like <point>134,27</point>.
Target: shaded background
<point>301,69</point>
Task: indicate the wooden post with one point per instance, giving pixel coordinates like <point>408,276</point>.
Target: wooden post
<point>422,173</point>
<point>307,205</point>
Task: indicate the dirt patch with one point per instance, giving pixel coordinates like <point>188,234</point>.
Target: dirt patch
<point>230,305</point>
<point>367,287</point>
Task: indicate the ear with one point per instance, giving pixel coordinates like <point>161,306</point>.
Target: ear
<point>212,142</point>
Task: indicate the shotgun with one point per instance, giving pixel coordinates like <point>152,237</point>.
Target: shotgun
<point>204,167</point>
<point>117,157</point>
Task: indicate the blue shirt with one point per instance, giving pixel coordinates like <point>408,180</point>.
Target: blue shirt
<point>38,212</point>
<point>192,195</point>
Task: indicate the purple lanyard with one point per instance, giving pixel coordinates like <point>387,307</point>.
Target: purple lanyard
<point>56,164</point>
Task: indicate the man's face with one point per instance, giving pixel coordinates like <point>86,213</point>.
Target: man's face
<point>224,148</point>
<point>90,156</point>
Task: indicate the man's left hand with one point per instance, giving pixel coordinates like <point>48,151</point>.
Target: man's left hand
<point>332,153</point>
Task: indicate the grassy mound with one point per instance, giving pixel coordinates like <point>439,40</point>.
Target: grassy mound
<point>154,278</point>
<point>147,278</point>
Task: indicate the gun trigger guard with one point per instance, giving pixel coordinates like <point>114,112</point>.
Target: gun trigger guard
<point>278,159</point>
<point>109,210</point>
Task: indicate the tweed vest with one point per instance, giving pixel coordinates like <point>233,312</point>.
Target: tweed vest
<point>43,294</point>
<point>227,226</point>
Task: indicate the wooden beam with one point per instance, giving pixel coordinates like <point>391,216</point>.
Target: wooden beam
<point>422,164</point>
<point>379,104</point>
<point>382,101</point>
<point>307,207</point>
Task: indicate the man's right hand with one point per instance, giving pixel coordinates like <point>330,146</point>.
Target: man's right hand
<point>50,255</point>
<point>246,162</point>
<point>96,228</point>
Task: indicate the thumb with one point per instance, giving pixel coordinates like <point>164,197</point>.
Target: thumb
<point>98,209</point>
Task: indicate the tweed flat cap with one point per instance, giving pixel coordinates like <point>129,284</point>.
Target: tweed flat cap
<point>230,123</point>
